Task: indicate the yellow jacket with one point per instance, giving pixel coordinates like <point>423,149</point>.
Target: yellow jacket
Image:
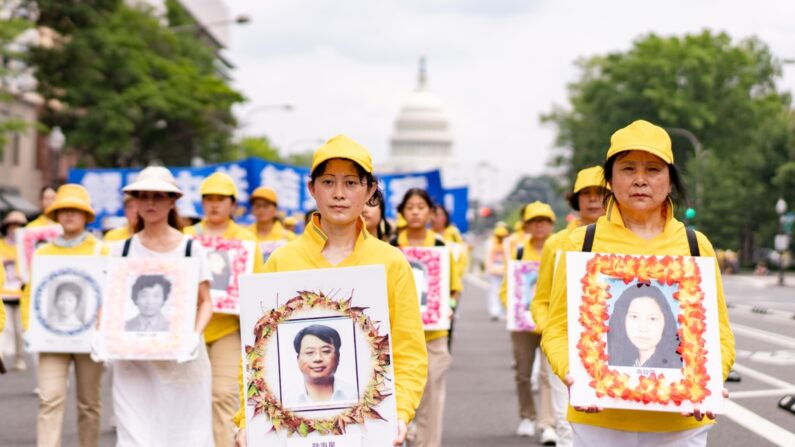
<point>455,279</point>
<point>41,221</point>
<point>2,307</point>
<point>87,248</point>
<point>529,253</point>
<point>278,232</point>
<point>8,252</point>
<point>539,306</point>
<point>117,234</point>
<point>408,348</point>
<point>453,235</point>
<point>221,325</point>
<point>613,237</point>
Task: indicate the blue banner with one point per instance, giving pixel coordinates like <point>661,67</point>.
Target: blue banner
<point>456,202</point>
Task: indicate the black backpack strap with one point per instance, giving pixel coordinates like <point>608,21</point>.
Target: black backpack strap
<point>188,248</point>
<point>590,233</point>
<point>126,249</point>
<point>692,241</point>
<point>439,243</point>
<point>393,242</point>
<point>520,253</point>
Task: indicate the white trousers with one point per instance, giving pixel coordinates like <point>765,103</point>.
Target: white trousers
<point>589,435</point>
<point>560,406</point>
<point>495,305</point>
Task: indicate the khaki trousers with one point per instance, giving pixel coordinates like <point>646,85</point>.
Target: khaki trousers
<point>225,358</point>
<point>430,413</point>
<point>524,353</point>
<point>52,374</point>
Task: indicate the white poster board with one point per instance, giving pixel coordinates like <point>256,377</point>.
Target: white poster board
<point>431,269</point>
<point>149,311</point>
<point>228,259</point>
<point>327,326</point>
<point>28,240</point>
<point>521,281</point>
<point>643,332</point>
<point>66,295</point>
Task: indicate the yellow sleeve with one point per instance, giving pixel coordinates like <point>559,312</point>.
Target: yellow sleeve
<point>727,352</point>
<point>455,275</point>
<point>555,341</point>
<point>504,287</point>
<point>539,306</point>
<point>259,264</point>
<point>2,307</point>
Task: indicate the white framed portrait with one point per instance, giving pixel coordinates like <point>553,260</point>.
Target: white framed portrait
<point>643,332</point>
<point>317,351</point>
<point>28,239</point>
<point>521,288</point>
<point>227,259</point>
<point>66,296</point>
<point>150,307</point>
<point>431,269</point>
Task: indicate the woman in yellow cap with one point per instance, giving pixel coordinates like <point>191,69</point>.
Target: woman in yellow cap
<point>72,210</point>
<point>587,198</point>
<point>495,269</point>
<point>165,403</point>
<point>125,232</point>
<point>644,181</point>
<point>341,183</point>
<point>11,288</point>
<point>219,200</point>
<point>268,229</point>
<point>538,222</point>
<point>375,219</point>
<point>416,207</point>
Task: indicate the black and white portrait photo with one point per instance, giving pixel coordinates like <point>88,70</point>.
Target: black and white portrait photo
<point>66,306</point>
<point>149,294</point>
<point>220,269</point>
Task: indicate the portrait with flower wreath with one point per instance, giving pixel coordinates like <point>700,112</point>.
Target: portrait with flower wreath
<point>684,369</point>
<point>232,258</point>
<point>431,268</point>
<point>521,286</point>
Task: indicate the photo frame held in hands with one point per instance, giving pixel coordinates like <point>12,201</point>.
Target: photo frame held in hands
<point>521,287</point>
<point>431,269</point>
<point>228,259</point>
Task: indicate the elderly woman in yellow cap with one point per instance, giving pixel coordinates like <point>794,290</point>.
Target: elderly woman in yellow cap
<point>219,200</point>
<point>11,288</point>
<point>267,228</point>
<point>495,269</point>
<point>587,198</point>
<point>538,221</point>
<point>72,209</point>
<point>341,182</point>
<point>639,220</point>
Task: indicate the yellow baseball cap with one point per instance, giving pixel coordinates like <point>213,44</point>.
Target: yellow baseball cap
<point>343,147</point>
<point>265,193</point>
<point>517,226</point>
<point>220,184</point>
<point>642,136</point>
<point>71,196</point>
<point>290,221</point>
<point>593,176</point>
<point>501,231</point>
<point>538,209</point>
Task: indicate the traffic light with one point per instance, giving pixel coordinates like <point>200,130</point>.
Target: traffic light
<point>690,213</point>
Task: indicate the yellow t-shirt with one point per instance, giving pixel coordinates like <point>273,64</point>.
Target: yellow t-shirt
<point>277,233</point>
<point>8,253</point>
<point>410,359</point>
<point>117,234</point>
<point>221,325</point>
<point>41,221</point>
<point>613,237</point>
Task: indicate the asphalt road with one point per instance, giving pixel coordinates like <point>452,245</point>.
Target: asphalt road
<point>481,408</point>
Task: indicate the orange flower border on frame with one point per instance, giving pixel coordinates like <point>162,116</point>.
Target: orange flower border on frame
<point>259,394</point>
<point>592,347</point>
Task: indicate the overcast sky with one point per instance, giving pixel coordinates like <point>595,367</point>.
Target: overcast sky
<point>497,65</point>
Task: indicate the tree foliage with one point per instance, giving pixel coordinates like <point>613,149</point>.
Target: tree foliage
<point>721,90</point>
<point>134,90</point>
<point>13,23</point>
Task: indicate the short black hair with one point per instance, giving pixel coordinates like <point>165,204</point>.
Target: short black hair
<point>69,287</point>
<point>678,191</point>
<point>421,193</point>
<point>367,177</point>
<point>325,333</point>
<point>146,281</point>
<point>446,214</point>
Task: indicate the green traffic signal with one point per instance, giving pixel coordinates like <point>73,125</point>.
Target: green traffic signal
<point>690,213</point>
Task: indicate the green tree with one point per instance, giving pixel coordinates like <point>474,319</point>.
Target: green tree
<point>12,57</point>
<point>721,90</point>
<point>134,90</point>
<point>260,147</point>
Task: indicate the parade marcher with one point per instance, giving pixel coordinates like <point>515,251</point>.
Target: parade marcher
<point>46,197</point>
<point>495,269</point>
<point>165,403</point>
<point>11,288</point>
<point>538,222</point>
<point>341,183</point>
<point>587,198</point>
<point>375,219</point>
<point>416,207</point>
<point>125,232</point>
<point>222,335</point>
<point>440,224</point>
<point>72,210</point>
<point>289,223</point>
<point>267,228</point>
<point>517,238</point>
<point>639,220</point>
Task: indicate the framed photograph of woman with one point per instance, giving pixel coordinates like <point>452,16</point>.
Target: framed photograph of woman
<point>228,259</point>
<point>645,333</point>
<point>431,269</point>
<point>521,287</point>
<point>66,295</point>
<point>317,356</point>
<point>149,309</point>
<point>28,240</point>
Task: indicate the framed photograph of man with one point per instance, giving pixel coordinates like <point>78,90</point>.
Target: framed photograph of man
<point>521,287</point>
<point>150,307</point>
<point>228,259</point>
<point>28,240</point>
<point>431,269</point>
<point>66,295</point>
<point>643,332</point>
<point>317,356</point>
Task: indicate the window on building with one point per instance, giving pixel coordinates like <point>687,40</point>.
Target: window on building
<point>15,148</point>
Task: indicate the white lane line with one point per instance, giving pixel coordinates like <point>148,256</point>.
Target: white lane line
<point>759,425</point>
<point>478,281</point>
<point>762,377</point>
<point>761,393</point>
<point>759,334</point>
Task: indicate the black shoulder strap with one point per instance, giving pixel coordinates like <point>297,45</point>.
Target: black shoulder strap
<point>438,243</point>
<point>188,248</point>
<point>692,241</point>
<point>126,249</point>
<point>520,253</point>
<point>590,233</point>
<point>393,242</point>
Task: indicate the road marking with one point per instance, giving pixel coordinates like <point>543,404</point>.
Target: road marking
<point>762,377</point>
<point>760,308</point>
<point>478,281</point>
<point>780,358</point>
<point>761,393</point>
<point>759,334</point>
<point>759,425</point>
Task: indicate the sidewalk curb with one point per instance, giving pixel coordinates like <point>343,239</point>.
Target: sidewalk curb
<point>762,311</point>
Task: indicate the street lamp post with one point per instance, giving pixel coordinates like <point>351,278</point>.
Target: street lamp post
<point>782,239</point>
<point>56,141</point>
<point>239,20</point>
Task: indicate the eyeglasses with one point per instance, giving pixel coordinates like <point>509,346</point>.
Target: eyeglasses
<point>349,182</point>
